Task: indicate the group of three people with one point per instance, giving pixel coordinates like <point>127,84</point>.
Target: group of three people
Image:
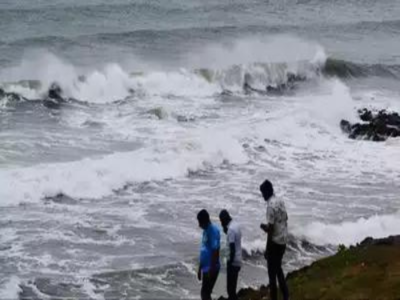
<point>276,228</point>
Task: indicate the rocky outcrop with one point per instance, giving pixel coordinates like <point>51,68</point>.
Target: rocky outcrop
<point>54,97</point>
<point>374,126</point>
<point>276,89</point>
<point>393,240</point>
<point>369,270</point>
<point>13,97</point>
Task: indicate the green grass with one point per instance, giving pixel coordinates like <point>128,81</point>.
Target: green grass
<point>360,273</point>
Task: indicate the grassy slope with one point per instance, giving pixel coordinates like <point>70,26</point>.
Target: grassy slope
<point>363,272</point>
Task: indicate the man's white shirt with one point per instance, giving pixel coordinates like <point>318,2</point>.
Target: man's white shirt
<point>234,236</point>
<point>277,216</point>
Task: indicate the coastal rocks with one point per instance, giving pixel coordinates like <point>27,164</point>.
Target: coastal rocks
<point>61,199</point>
<point>376,127</point>
<point>393,240</point>
<point>367,271</point>
<point>55,92</point>
<point>54,97</point>
<point>273,89</point>
<point>10,96</point>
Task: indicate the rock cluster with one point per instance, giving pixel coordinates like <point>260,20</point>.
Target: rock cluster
<point>375,126</point>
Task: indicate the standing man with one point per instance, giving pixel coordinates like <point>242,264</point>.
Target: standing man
<point>276,228</point>
<point>209,255</point>
<point>234,241</point>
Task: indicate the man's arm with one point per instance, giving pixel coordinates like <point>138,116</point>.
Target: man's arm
<point>199,273</point>
<point>267,228</point>
<point>214,261</point>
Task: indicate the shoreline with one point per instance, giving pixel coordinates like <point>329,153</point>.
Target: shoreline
<point>368,270</point>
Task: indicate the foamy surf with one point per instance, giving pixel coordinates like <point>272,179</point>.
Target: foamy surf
<point>99,177</point>
<point>351,232</point>
<point>11,288</point>
<point>204,73</point>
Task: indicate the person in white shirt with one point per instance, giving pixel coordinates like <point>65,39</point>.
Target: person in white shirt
<point>277,231</point>
<point>234,241</point>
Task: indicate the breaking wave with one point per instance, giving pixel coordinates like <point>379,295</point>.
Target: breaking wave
<point>112,83</point>
<point>99,177</point>
<point>347,69</point>
<point>352,232</point>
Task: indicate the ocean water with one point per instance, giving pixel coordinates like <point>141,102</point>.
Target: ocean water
<point>99,190</point>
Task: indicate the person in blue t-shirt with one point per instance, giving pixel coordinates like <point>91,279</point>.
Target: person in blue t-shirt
<point>209,255</point>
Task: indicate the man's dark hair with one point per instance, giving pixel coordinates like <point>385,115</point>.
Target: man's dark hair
<point>267,189</point>
<point>224,215</point>
<point>203,217</point>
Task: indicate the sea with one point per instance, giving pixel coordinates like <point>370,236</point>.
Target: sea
<point>120,120</point>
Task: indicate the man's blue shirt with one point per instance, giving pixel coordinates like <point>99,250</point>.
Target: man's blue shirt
<point>210,243</point>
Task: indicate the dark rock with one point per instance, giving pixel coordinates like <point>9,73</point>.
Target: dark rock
<point>185,119</point>
<point>393,240</point>
<point>290,84</point>
<point>93,124</point>
<point>375,126</point>
<point>54,97</point>
<point>13,97</point>
<point>365,115</point>
<point>260,149</point>
<point>345,126</point>
<point>55,92</point>
<point>61,199</point>
<point>275,89</point>
<point>10,99</point>
<point>248,89</point>
<point>278,89</point>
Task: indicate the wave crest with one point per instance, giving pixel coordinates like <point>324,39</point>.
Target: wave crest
<point>347,69</point>
<point>350,233</point>
<point>264,70</point>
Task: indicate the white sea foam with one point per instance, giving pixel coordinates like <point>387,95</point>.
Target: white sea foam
<point>89,289</point>
<point>95,178</point>
<point>105,84</point>
<point>352,232</point>
<point>11,289</point>
<point>223,67</point>
<point>178,83</point>
<point>275,49</point>
<point>254,246</point>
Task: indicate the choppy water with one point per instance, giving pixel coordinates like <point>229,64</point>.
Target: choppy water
<point>99,191</point>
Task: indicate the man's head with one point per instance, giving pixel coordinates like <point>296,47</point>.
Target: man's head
<point>267,190</point>
<point>225,219</point>
<point>204,219</point>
